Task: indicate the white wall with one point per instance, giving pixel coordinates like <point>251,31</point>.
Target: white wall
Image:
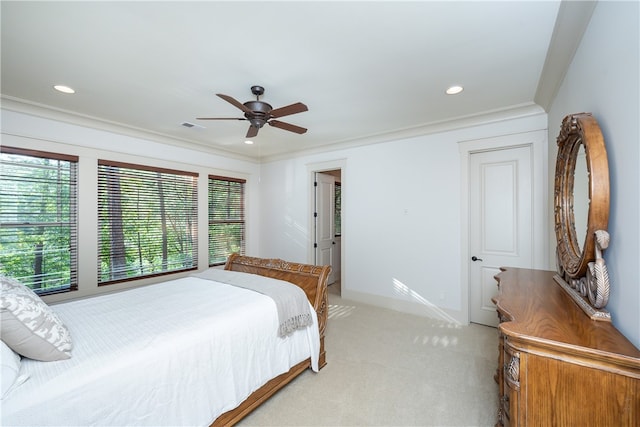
<point>604,79</point>
<point>28,131</point>
<point>400,217</point>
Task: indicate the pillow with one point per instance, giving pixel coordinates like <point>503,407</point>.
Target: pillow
<point>29,327</point>
<point>9,368</point>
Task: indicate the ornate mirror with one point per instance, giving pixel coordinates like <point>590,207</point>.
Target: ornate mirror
<point>581,207</point>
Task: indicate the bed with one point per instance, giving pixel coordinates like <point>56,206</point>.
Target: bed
<point>191,351</point>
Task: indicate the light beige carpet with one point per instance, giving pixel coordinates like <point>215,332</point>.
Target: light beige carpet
<point>386,368</point>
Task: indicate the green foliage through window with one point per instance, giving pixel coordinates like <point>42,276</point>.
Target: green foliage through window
<point>38,219</point>
<point>226,218</point>
<point>147,221</point>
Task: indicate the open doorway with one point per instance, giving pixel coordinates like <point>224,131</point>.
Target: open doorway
<point>327,214</point>
<point>327,225</point>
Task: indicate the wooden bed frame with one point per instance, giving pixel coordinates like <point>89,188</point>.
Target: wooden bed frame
<point>313,280</point>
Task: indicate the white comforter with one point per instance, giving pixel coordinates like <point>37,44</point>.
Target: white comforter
<point>176,353</point>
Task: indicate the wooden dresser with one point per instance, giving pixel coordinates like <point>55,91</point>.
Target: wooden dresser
<point>556,366</point>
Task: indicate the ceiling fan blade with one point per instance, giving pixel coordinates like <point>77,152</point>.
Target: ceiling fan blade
<point>287,126</point>
<point>220,118</point>
<point>298,107</point>
<point>253,131</point>
<point>235,103</point>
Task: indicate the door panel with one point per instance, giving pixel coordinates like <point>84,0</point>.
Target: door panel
<point>500,207</point>
<point>500,225</point>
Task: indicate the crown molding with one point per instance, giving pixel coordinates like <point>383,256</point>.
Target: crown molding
<point>47,112</point>
<point>461,122</point>
<point>493,116</point>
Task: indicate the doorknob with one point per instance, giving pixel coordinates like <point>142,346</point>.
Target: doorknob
<point>475,258</point>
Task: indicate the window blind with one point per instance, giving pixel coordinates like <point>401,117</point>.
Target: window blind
<point>226,218</point>
<point>38,219</point>
<point>147,221</point>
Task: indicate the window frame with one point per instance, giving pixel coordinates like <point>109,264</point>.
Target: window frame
<point>71,216</point>
<point>211,221</point>
<point>132,171</point>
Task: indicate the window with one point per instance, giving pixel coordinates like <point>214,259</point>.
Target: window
<point>38,219</point>
<point>147,221</point>
<point>226,218</point>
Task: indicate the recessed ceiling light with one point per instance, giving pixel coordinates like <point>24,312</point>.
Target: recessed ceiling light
<point>453,90</point>
<point>248,141</point>
<point>64,89</point>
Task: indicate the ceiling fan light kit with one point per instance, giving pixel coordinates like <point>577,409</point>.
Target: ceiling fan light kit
<point>259,112</point>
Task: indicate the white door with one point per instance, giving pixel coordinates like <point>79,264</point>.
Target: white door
<point>500,223</point>
<point>325,233</point>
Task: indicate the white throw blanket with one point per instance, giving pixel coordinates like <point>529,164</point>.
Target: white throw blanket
<point>291,301</point>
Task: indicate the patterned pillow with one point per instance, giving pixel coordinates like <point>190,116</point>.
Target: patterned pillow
<point>29,326</point>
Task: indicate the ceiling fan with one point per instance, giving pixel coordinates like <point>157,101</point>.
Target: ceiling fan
<point>258,113</point>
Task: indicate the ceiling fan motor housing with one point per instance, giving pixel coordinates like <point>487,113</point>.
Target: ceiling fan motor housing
<point>260,111</point>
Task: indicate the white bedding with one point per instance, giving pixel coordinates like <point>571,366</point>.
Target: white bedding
<point>176,353</point>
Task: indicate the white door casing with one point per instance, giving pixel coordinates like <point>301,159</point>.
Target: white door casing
<point>312,169</point>
<point>504,214</point>
<point>324,215</point>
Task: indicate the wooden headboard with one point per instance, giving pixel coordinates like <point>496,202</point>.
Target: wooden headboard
<point>311,278</point>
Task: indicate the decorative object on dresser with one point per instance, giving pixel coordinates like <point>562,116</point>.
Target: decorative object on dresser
<point>581,205</point>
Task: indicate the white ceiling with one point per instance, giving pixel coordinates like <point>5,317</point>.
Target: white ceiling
<point>366,70</point>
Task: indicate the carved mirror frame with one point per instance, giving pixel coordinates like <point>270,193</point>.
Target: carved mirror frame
<point>581,268</point>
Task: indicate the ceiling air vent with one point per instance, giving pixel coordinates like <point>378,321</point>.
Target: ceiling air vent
<point>191,125</point>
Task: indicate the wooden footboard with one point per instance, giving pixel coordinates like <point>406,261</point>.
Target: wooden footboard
<point>313,280</point>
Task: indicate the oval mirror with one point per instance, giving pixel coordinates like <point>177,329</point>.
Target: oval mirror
<point>579,215</point>
<point>581,209</point>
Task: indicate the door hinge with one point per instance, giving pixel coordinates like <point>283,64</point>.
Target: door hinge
<point>315,245</point>
<point>315,214</point>
<point>315,183</point>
